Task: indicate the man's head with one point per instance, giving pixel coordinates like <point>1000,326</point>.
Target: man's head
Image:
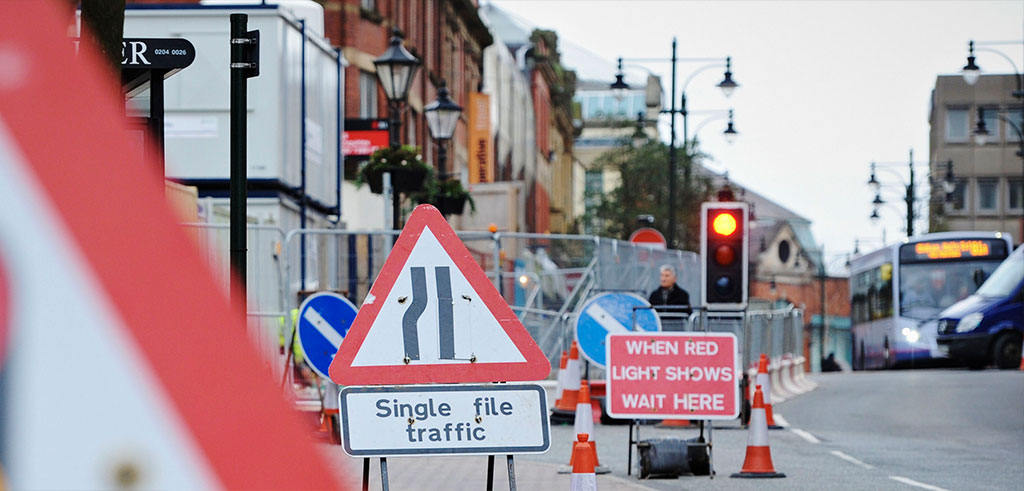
<point>668,276</point>
<point>938,279</point>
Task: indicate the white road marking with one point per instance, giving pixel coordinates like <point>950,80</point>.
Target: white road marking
<point>851,460</point>
<point>323,327</point>
<point>911,482</point>
<point>605,319</point>
<point>805,435</point>
<point>779,420</point>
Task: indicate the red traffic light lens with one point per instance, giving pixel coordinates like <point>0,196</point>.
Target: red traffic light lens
<point>725,255</point>
<point>724,224</point>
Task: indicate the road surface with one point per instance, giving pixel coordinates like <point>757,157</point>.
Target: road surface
<point>907,429</point>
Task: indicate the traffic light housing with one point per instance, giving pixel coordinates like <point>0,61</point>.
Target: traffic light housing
<point>723,251</point>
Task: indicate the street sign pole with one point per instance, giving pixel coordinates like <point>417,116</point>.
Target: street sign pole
<point>244,64</point>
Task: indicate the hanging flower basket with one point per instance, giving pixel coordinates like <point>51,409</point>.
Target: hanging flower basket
<point>405,164</point>
<point>448,196</point>
<point>451,205</point>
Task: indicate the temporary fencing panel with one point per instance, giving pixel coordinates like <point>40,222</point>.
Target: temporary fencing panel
<point>545,278</point>
<point>263,278</point>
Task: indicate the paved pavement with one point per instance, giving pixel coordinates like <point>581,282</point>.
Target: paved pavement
<point>908,429</point>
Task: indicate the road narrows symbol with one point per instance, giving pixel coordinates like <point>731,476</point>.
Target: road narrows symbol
<point>445,314</point>
<point>410,336</point>
<point>445,321</point>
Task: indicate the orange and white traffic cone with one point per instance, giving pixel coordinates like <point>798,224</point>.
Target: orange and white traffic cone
<point>584,477</point>
<point>584,424</point>
<point>764,380</point>
<point>758,461</point>
<point>565,407</point>
<point>561,375</point>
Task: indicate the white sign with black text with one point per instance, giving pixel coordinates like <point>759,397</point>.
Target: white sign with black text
<point>444,420</point>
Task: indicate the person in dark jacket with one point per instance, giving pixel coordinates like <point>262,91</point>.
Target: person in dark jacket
<point>668,293</point>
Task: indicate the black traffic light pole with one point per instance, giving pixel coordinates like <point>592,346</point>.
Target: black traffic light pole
<point>244,64</point>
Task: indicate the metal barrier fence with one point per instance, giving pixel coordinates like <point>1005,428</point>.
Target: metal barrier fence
<point>776,333</point>
<point>263,281</point>
<point>545,278</point>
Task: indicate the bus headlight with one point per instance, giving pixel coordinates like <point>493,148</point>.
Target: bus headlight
<point>969,322</point>
<point>912,335</point>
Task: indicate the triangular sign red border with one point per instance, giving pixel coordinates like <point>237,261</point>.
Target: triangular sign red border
<point>535,367</point>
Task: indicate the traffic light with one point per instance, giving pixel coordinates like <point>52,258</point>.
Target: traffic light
<point>723,252</point>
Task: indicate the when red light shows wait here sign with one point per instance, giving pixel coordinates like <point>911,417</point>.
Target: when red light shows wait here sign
<point>680,375</point>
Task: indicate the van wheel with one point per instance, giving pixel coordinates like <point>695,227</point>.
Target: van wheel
<point>1006,351</point>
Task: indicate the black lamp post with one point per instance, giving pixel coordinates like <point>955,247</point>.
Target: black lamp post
<point>971,73</point>
<point>730,132</point>
<point>442,116</point>
<point>910,196</point>
<point>728,85</point>
<point>396,69</point>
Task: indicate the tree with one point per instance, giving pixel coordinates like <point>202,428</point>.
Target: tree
<point>643,190</point>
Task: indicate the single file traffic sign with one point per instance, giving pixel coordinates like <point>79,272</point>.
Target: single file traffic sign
<point>324,319</point>
<point>433,316</point>
<point>444,420</point>
<point>610,313</point>
<point>673,375</point>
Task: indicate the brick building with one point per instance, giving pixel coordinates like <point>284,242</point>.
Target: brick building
<point>447,36</point>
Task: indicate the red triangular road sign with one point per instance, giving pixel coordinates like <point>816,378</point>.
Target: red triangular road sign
<point>433,316</point>
<point>127,366</point>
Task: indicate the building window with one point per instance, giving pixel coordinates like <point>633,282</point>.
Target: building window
<point>992,123</point>
<point>1015,194</point>
<point>988,194</point>
<point>368,4</point>
<point>956,125</point>
<point>959,198</point>
<point>1016,117</point>
<point>367,95</point>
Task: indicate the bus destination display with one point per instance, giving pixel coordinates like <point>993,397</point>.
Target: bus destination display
<point>953,249</point>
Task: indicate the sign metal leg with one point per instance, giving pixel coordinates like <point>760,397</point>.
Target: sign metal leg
<point>366,474</point>
<point>629,450</point>
<point>711,452</point>
<point>490,473</point>
<point>384,474</point>
<point>511,473</point>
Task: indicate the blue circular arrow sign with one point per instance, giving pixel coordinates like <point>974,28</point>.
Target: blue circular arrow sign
<point>324,319</point>
<point>611,313</point>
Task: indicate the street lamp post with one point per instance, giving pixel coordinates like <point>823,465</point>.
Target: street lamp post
<point>971,73</point>
<point>728,85</point>
<point>729,133</point>
<point>910,190</point>
<point>442,116</point>
<point>396,69</point>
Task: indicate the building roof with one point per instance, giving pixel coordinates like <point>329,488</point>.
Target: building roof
<point>513,30</point>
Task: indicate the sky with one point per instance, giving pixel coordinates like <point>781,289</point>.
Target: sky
<point>825,87</point>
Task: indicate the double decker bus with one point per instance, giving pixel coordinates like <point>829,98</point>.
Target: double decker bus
<point>898,291</point>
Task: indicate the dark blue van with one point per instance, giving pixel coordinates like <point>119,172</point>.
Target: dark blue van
<point>988,326</point>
